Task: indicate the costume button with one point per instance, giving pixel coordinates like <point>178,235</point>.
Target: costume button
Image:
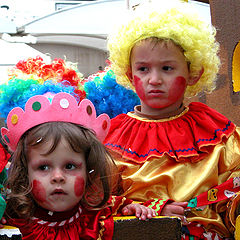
<point>36,106</point>
<point>86,221</point>
<point>104,125</point>
<point>14,119</point>
<point>6,139</point>
<point>89,110</point>
<point>64,103</point>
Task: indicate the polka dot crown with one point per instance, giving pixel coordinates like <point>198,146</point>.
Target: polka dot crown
<point>62,107</point>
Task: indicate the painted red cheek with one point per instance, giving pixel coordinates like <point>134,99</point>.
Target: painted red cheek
<point>38,191</point>
<point>79,186</point>
<point>177,88</point>
<point>139,87</point>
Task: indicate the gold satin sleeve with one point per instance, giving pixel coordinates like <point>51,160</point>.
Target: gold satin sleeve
<point>167,179</point>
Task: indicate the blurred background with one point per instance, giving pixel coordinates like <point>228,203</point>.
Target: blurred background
<point>75,30</point>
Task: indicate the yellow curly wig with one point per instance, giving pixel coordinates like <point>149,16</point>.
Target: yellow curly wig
<point>173,20</point>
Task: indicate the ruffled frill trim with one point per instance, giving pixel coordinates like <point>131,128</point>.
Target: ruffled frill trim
<point>82,225</point>
<point>76,224</point>
<point>187,137</point>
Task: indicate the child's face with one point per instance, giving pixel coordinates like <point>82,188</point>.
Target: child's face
<point>160,75</point>
<point>58,179</point>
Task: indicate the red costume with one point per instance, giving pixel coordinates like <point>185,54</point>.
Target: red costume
<point>177,158</point>
<point>79,223</point>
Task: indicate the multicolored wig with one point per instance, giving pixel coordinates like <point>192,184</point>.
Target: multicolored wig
<point>35,77</point>
<point>168,20</point>
<point>107,95</point>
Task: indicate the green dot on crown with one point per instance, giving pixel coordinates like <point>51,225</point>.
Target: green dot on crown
<point>36,106</point>
<point>6,139</point>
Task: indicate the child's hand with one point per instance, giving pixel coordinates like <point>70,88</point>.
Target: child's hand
<point>140,211</point>
<point>175,209</point>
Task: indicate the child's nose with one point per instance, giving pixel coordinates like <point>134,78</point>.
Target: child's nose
<point>57,176</point>
<point>155,78</point>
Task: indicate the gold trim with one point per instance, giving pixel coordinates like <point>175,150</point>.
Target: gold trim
<point>134,217</point>
<point>131,114</point>
<point>121,204</point>
<point>236,68</point>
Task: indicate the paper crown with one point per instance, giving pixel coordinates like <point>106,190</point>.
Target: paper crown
<point>63,107</point>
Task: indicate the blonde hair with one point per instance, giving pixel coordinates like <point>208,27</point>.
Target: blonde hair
<point>176,21</point>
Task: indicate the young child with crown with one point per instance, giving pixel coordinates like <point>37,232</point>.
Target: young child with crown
<point>164,149</point>
<point>60,175</point>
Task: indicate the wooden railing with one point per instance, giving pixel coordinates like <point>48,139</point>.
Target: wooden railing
<point>158,228</point>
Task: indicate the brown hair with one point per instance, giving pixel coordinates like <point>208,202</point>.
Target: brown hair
<point>99,166</point>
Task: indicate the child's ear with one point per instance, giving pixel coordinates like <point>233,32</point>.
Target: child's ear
<point>193,80</point>
<point>129,75</point>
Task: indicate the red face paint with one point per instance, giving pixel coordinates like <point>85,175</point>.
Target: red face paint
<point>177,89</point>
<point>38,191</point>
<point>79,186</point>
<point>139,87</point>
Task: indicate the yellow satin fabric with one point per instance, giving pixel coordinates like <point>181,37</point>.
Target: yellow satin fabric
<point>237,233</point>
<point>167,179</point>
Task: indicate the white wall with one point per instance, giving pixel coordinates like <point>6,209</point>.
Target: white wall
<point>88,59</point>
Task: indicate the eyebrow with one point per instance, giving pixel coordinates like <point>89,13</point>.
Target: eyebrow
<point>164,61</point>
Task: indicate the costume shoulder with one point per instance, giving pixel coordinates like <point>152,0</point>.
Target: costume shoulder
<point>186,137</point>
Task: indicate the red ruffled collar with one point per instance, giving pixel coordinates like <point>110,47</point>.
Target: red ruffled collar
<point>187,137</point>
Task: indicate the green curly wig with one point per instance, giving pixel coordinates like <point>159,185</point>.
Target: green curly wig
<point>171,20</point>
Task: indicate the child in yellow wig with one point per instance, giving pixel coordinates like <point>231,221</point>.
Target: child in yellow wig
<point>164,149</point>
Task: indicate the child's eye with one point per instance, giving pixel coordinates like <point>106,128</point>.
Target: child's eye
<point>43,167</point>
<point>70,166</point>
<point>143,69</point>
<point>167,68</point>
